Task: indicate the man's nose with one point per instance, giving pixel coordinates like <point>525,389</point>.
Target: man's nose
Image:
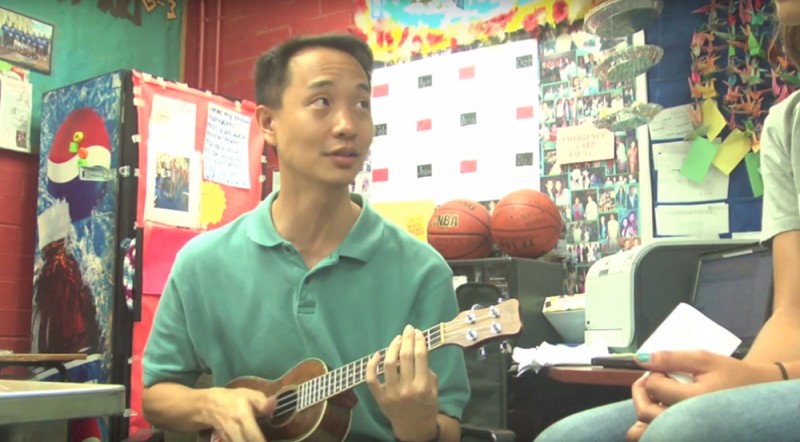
<point>345,124</point>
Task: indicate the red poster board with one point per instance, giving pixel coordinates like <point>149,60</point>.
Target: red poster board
<point>220,203</point>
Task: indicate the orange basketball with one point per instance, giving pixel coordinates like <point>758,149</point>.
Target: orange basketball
<point>526,223</point>
<point>459,229</point>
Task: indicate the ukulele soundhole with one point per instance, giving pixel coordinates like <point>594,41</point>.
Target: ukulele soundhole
<point>285,409</point>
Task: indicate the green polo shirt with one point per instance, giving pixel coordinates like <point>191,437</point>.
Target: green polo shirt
<point>240,301</point>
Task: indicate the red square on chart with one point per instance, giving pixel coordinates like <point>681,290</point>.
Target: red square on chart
<point>466,73</point>
<point>423,125</point>
<point>524,112</point>
<point>469,166</point>
<point>380,90</point>
<point>379,175</point>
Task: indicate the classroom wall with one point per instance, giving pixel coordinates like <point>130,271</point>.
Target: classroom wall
<point>90,38</point>
<point>247,29</point>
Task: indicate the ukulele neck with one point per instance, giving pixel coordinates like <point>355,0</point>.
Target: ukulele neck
<point>351,375</point>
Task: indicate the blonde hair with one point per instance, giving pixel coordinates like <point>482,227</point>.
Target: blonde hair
<point>791,43</point>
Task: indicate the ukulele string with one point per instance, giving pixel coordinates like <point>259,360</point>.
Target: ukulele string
<point>286,404</point>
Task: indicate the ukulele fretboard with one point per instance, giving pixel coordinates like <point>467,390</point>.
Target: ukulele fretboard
<point>346,377</point>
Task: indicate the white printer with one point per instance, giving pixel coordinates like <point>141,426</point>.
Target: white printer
<point>629,293</point>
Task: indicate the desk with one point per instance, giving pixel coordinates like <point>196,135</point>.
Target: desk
<point>47,360</point>
<point>594,375</point>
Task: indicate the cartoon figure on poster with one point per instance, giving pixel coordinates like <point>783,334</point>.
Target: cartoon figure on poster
<point>76,223</point>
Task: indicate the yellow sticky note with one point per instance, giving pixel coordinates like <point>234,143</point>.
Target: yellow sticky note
<point>411,216</point>
<point>712,118</point>
<point>732,151</point>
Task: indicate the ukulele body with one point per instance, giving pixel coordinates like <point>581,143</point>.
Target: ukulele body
<point>327,421</point>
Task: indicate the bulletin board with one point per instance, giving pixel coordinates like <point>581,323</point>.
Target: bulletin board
<point>200,163</point>
<point>600,182</point>
<point>199,168</point>
<point>460,125</point>
<point>716,93</point>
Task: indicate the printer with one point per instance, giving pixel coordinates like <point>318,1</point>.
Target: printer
<point>628,294</point>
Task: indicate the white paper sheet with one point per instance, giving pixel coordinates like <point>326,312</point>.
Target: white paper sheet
<point>671,123</point>
<point>15,114</point>
<point>547,354</point>
<point>687,329</point>
<point>692,220</point>
<point>676,188</point>
<point>672,187</point>
<point>225,150</point>
<point>174,171</point>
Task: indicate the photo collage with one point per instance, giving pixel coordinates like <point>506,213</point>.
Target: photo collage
<point>599,201</point>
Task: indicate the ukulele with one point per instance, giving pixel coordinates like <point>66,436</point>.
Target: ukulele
<point>314,404</point>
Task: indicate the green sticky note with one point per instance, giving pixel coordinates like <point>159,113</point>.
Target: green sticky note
<point>753,162</point>
<point>699,159</point>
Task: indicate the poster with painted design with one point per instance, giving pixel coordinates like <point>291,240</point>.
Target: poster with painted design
<point>597,190</point>
<point>460,125</point>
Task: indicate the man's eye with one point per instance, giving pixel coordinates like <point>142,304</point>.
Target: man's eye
<point>322,101</point>
<point>364,104</point>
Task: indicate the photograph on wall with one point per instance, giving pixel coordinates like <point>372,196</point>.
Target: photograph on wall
<point>26,41</point>
<point>174,178</point>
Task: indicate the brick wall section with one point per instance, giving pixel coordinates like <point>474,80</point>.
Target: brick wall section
<point>18,177</point>
<point>250,28</point>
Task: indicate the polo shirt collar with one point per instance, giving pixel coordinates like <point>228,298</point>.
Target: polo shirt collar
<point>361,243</point>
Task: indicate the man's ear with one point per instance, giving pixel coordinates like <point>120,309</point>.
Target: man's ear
<point>266,121</point>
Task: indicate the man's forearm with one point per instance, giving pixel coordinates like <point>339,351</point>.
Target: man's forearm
<point>779,339</point>
<point>175,407</point>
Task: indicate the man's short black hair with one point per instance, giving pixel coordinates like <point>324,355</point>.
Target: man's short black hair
<point>272,68</point>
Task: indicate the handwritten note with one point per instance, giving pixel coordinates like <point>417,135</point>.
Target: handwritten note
<point>584,143</point>
<point>692,220</point>
<point>225,151</point>
<point>753,162</point>
<point>676,188</point>
<point>699,159</point>
<point>672,123</point>
<point>732,151</point>
<point>672,187</point>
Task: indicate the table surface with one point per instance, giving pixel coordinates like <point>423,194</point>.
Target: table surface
<point>595,375</point>
<point>41,357</point>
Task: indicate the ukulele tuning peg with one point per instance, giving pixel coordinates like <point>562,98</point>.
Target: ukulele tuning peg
<point>482,354</point>
<point>505,347</point>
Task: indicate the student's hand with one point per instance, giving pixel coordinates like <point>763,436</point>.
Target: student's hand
<point>409,395</point>
<point>712,372</point>
<point>232,413</point>
<point>654,392</point>
<point>646,408</point>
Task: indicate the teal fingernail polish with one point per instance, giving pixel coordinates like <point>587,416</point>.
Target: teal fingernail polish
<point>643,357</point>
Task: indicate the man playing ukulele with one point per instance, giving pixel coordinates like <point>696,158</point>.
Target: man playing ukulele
<point>312,272</point>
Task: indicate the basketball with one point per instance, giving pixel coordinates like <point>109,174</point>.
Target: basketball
<point>526,224</point>
<point>459,229</point>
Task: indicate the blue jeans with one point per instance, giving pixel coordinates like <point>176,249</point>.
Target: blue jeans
<point>762,412</point>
